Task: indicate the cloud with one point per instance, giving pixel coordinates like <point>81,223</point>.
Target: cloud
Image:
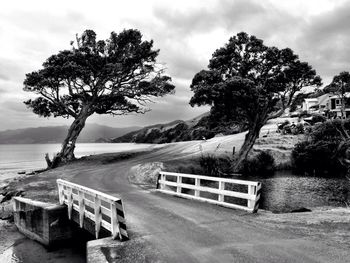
<point>206,18</point>
<point>15,106</point>
<point>10,70</point>
<point>325,41</point>
<point>186,32</point>
<point>2,90</point>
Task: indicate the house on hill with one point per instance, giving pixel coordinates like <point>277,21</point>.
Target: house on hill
<point>327,104</point>
<point>335,103</point>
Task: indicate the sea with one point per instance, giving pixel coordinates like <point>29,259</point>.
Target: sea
<point>15,158</point>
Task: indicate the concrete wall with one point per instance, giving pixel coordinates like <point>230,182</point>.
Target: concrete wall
<point>43,222</point>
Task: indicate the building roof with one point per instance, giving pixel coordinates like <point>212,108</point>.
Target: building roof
<point>311,99</point>
<point>323,98</point>
<point>347,95</point>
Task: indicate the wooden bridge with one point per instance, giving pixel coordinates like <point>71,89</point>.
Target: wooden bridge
<point>226,190</point>
<point>100,209</point>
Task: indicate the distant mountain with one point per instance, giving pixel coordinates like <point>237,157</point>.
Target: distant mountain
<point>149,134</point>
<point>175,131</point>
<point>56,134</point>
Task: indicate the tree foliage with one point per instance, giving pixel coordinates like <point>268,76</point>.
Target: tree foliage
<point>115,76</point>
<point>250,82</point>
<point>320,153</point>
<point>340,85</point>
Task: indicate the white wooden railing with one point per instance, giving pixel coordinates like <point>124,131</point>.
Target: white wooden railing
<point>108,211</point>
<point>173,183</point>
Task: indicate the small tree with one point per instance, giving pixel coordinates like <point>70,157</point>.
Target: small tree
<point>340,86</point>
<point>251,82</point>
<point>116,76</point>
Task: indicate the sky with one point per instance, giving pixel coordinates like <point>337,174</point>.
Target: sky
<point>187,32</point>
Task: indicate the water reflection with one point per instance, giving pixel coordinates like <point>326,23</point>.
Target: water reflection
<point>286,191</point>
<point>28,251</point>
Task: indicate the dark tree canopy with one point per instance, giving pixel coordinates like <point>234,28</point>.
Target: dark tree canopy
<point>115,76</point>
<point>340,83</point>
<point>252,82</point>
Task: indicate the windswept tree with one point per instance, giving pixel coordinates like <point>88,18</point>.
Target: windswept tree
<point>340,85</point>
<point>116,76</point>
<point>249,81</point>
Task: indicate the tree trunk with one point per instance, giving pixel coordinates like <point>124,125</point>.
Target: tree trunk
<point>248,144</point>
<point>67,151</point>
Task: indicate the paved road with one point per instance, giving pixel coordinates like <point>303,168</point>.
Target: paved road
<point>171,229</point>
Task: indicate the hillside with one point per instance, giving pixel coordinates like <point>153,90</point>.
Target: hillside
<point>56,134</point>
<point>197,128</point>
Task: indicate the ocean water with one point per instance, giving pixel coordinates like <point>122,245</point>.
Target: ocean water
<point>15,158</point>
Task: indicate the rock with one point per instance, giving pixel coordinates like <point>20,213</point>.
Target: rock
<point>21,172</point>
<point>3,187</point>
<point>1,198</point>
<point>6,211</point>
<point>146,173</point>
<point>301,210</point>
<point>9,194</point>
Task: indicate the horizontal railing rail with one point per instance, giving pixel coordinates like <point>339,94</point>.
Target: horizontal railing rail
<point>108,211</point>
<point>200,186</point>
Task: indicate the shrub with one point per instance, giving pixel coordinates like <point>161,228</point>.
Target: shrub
<point>283,124</point>
<point>318,118</point>
<point>304,114</point>
<point>299,129</point>
<point>316,157</point>
<point>262,164</point>
<point>215,166</point>
<point>318,154</point>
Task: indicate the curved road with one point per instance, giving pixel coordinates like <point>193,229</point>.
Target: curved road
<point>163,228</point>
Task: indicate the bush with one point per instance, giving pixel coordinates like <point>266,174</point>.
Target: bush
<point>283,124</point>
<point>318,154</point>
<point>298,129</point>
<point>262,164</point>
<point>215,166</point>
<point>318,118</point>
<point>316,157</point>
<point>304,114</point>
<point>208,164</point>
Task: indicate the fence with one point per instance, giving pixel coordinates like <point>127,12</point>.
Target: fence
<point>205,188</point>
<point>104,210</point>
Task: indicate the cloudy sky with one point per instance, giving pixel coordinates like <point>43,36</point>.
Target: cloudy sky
<point>186,32</point>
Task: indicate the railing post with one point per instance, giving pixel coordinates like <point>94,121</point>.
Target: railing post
<point>60,194</point>
<point>251,191</point>
<point>114,221</point>
<point>257,198</point>
<point>162,178</point>
<point>70,202</point>
<point>221,188</point>
<point>98,216</point>
<point>15,205</point>
<point>197,183</point>
<point>179,181</point>
<point>81,208</point>
<point>123,234</point>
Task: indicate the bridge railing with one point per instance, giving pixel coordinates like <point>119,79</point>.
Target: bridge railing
<point>232,193</point>
<point>104,210</point>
